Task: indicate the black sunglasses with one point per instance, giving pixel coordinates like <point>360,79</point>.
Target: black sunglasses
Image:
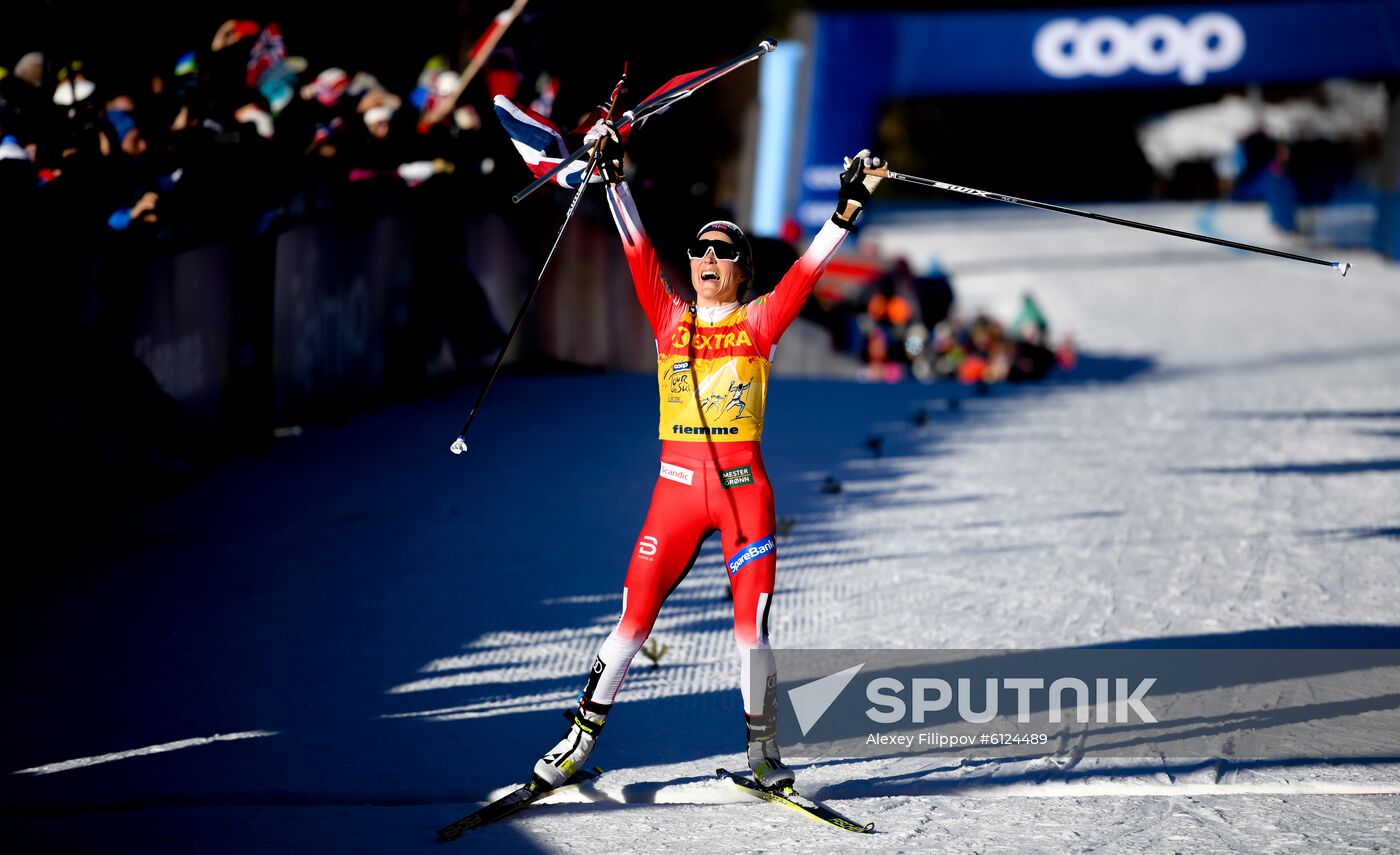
<point>723,250</point>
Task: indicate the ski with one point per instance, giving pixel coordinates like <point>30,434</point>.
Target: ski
<point>513,801</point>
<point>788,797</point>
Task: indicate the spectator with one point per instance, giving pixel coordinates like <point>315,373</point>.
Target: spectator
<point>983,353</point>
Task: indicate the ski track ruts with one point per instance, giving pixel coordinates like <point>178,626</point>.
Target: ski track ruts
<point>1214,817</point>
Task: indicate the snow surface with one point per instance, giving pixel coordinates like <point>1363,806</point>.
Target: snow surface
<point>352,640</point>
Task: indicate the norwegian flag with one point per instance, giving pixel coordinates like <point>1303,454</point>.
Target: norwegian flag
<point>534,136</point>
<point>539,142</point>
<point>497,28</point>
<point>678,88</point>
<point>268,53</point>
<point>324,133</point>
<point>499,81</point>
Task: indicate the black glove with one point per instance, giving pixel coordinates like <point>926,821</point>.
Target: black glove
<point>604,137</point>
<point>856,186</point>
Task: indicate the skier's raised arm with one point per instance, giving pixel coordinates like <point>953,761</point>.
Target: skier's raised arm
<point>774,312</point>
<point>660,304</point>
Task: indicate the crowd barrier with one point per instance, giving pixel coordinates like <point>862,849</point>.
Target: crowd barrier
<point>325,319</point>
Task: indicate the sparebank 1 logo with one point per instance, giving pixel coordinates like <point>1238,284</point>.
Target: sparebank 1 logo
<point>1156,44</point>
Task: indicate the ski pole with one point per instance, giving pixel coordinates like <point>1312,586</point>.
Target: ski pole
<point>459,445</point>
<point>658,102</point>
<point>1343,266</point>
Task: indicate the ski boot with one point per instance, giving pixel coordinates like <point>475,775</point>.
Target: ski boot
<point>571,753</point>
<point>764,761</point>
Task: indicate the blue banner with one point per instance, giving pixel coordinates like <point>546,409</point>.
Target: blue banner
<point>1015,52</point>
<point>1064,51</point>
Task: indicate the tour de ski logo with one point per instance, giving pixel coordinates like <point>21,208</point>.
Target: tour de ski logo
<point>679,381</point>
<point>731,403</point>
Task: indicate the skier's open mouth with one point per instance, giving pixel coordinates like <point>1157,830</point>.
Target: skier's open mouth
<point>709,276</point>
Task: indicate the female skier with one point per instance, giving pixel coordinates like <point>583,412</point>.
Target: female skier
<point>713,360</point>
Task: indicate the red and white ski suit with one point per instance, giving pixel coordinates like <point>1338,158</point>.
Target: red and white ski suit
<point>712,375</point>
